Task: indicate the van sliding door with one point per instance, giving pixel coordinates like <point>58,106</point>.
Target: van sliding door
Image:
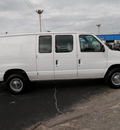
<point>65,61</point>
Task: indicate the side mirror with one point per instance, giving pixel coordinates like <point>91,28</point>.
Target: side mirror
<point>102,48</point>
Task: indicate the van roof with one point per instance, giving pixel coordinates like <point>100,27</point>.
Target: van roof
<point>41,33</point>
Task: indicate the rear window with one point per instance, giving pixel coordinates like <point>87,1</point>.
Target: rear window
<point>45,44</point>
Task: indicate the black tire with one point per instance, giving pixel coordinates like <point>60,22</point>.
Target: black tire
<point>113,78</point>
<point>17,83</point>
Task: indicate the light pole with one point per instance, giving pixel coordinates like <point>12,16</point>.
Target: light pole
<point>40,12</point>
<point>98,25</point>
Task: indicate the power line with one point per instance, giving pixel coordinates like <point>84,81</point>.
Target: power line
<point>29,6</point>
<point>28,3</point>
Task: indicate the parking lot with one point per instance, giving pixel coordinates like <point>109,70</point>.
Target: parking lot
<point>46,100</point>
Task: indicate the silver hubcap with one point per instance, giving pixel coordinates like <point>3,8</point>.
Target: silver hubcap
<point>16,84</point>
<point>116,79</point>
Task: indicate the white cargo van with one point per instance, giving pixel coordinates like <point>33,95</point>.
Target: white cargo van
<point>56,56</point>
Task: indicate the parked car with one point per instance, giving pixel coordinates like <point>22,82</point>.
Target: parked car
<point>117,46</point>
<point>109,45</point>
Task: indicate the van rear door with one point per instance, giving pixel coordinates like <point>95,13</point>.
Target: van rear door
<point>45,67</point>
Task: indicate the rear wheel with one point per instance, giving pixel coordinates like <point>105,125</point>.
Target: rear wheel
<point>17,83</point>
<point>113,78</point>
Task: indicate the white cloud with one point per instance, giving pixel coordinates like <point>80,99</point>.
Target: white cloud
<point>63,15</point>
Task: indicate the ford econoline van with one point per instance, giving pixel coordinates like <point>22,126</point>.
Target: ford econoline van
<point>56,56</point>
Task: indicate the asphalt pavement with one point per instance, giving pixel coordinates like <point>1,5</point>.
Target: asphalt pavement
<point>44,101</point>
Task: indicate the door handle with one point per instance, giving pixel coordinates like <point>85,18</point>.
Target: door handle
<point>79,61</point>
<point>56,62</point>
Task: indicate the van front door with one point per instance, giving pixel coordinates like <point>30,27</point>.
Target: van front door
<point>92,57</point>
<point>45,68</point>
<point>65,60</point>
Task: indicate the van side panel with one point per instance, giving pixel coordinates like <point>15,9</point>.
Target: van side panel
<point>18,52</point>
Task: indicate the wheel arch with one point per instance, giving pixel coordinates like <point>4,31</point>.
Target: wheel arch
<point>111,68</point>
<point>14,71</point>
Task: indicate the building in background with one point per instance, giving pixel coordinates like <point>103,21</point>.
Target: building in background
<point>112,40</point>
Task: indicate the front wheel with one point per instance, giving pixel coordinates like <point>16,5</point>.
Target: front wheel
<point>113,78</point>
<point>16,83</point>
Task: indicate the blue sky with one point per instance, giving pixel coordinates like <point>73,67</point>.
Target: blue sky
<point>16,16</point>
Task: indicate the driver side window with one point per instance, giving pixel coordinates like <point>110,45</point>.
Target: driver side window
<point>88,43</point>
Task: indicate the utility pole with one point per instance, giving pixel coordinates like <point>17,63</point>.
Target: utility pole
<point>40,12</point>
<point>98,25</point>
